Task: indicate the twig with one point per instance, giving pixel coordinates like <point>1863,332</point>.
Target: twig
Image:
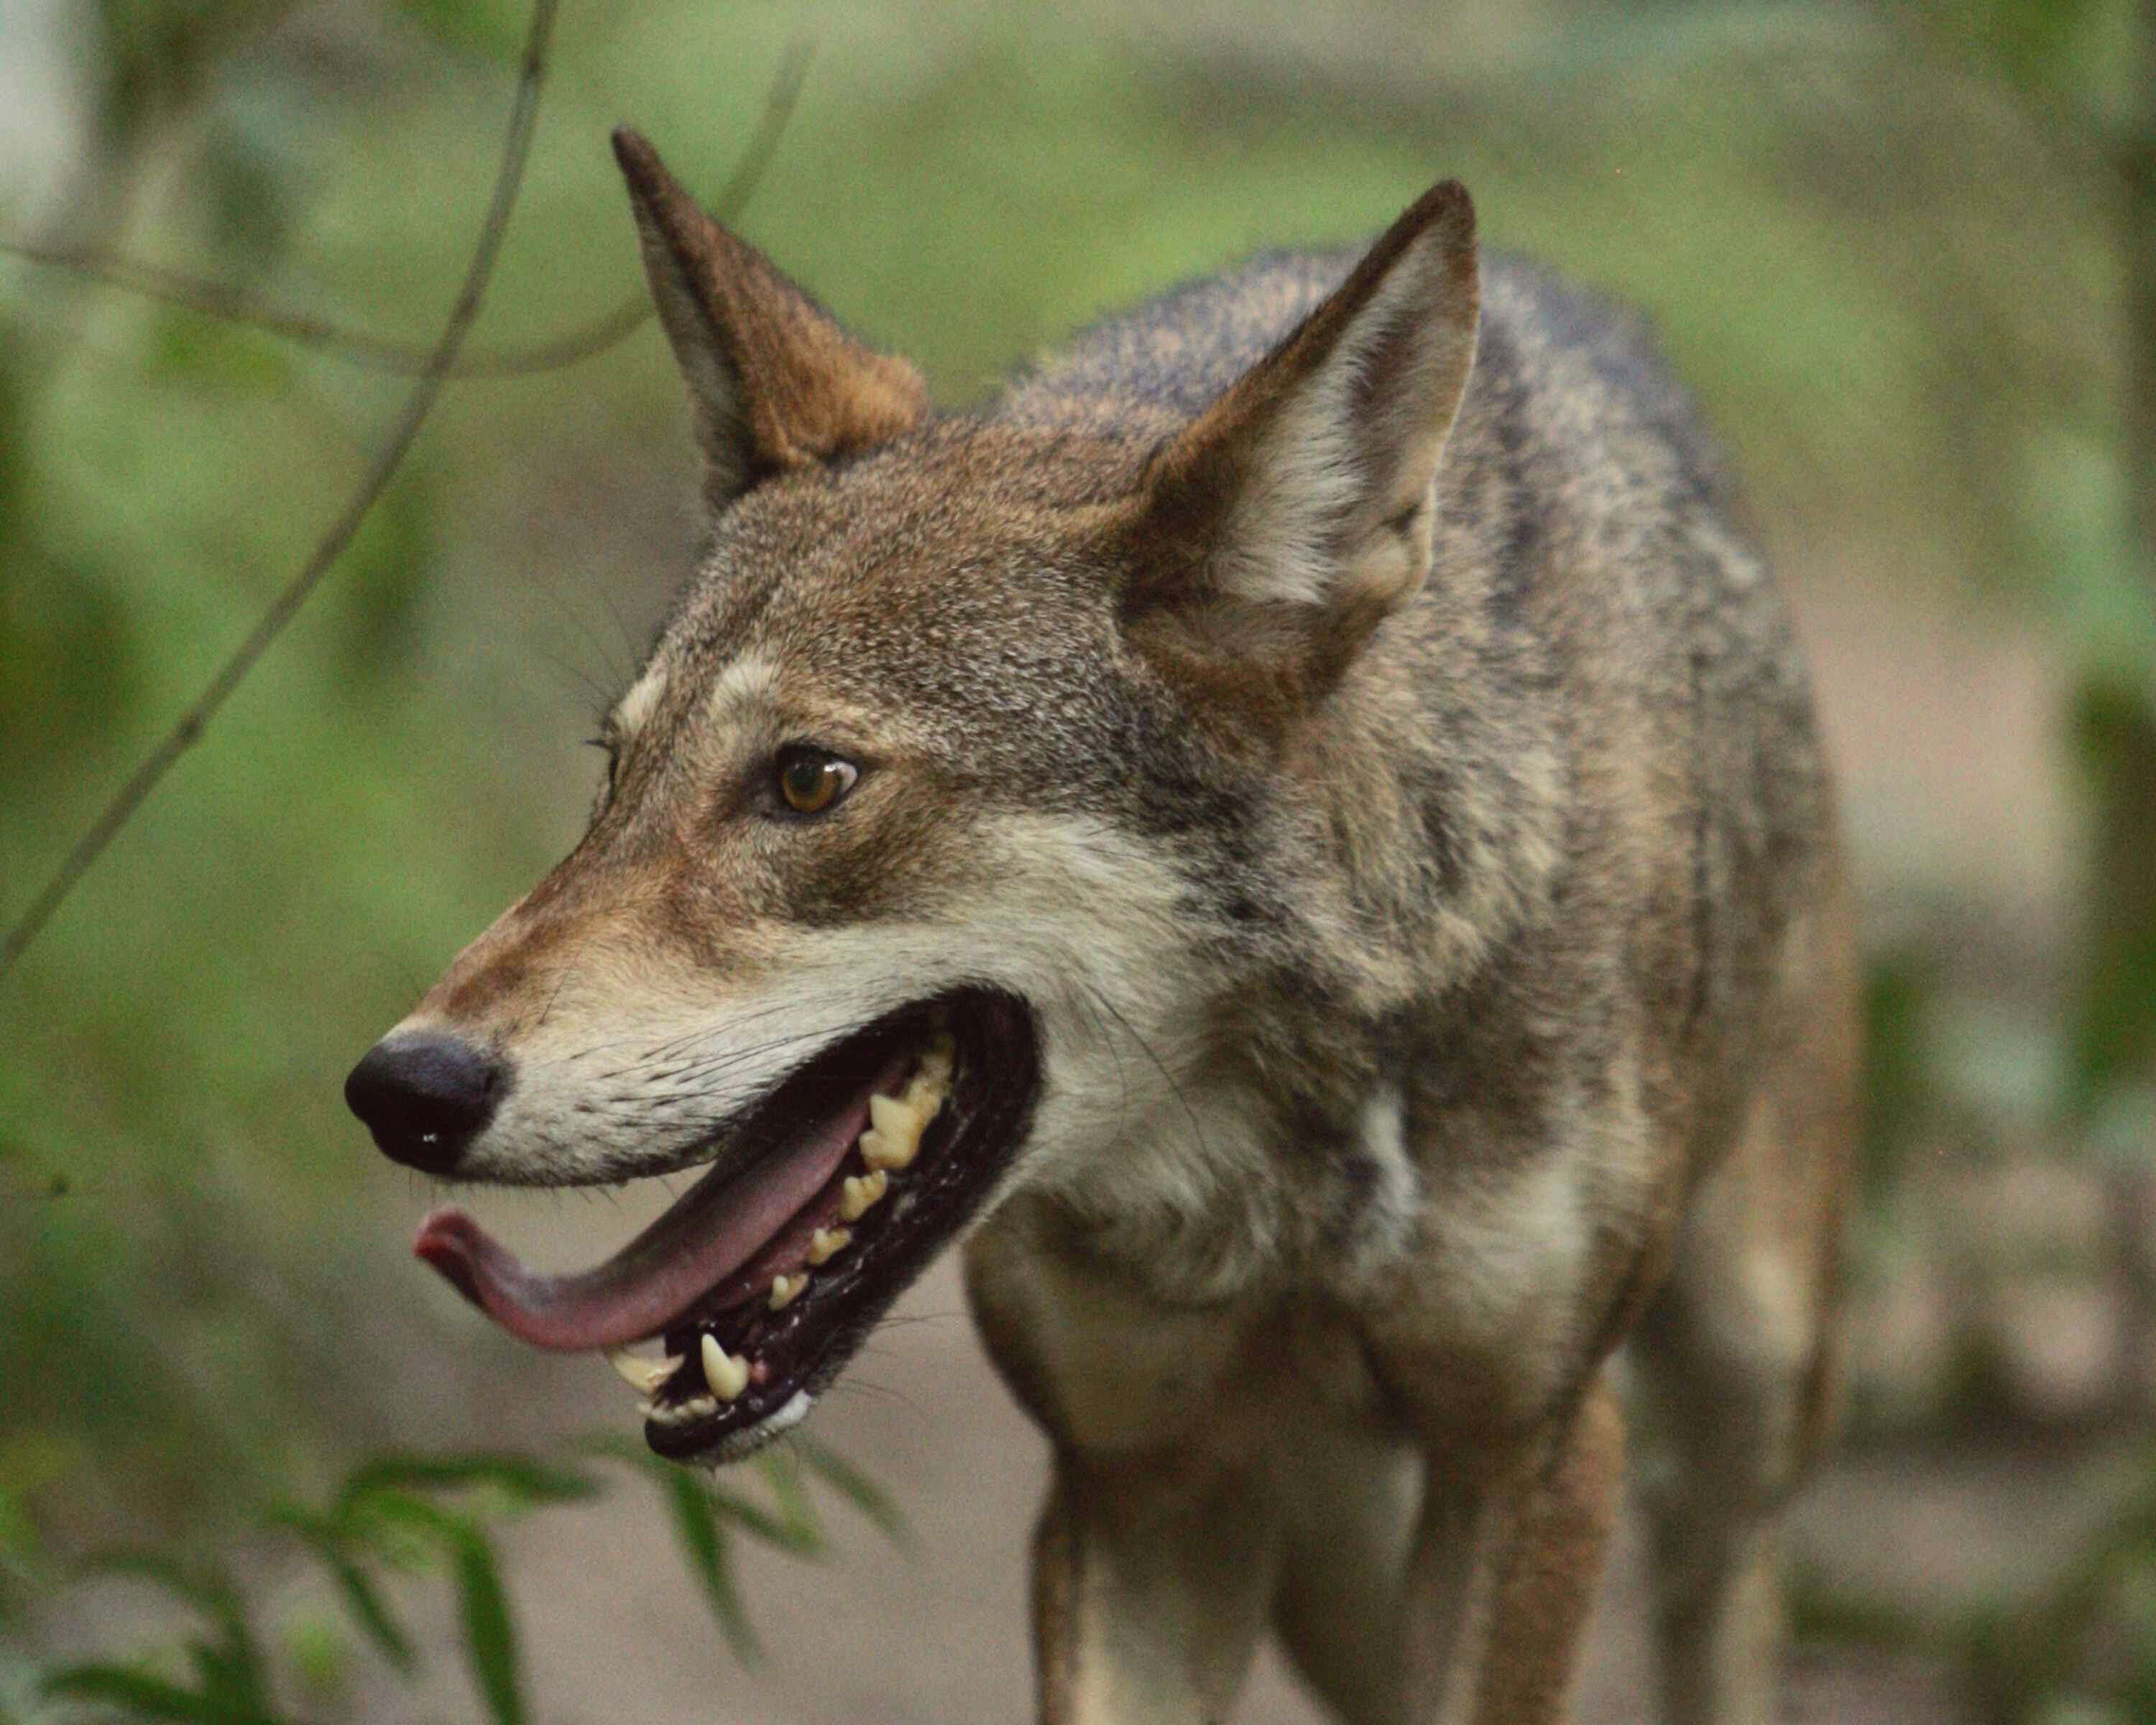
<point>230,305</point>
<point>517,147</point>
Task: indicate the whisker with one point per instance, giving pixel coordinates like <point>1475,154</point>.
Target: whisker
<point>1190,1113</point>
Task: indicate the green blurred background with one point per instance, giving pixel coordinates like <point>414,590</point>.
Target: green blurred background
<point>1900,252</point>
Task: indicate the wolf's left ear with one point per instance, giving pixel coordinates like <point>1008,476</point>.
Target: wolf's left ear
<point>1294,514</point>
<point>774,381</point>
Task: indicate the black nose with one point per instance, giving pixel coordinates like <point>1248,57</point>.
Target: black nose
<point>425,1096</point>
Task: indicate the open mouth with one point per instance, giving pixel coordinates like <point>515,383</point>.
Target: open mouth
<point>761,1281</point>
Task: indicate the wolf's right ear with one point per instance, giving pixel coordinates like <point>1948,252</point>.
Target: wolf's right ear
<point>1292,517</point>
<point>774,381</point>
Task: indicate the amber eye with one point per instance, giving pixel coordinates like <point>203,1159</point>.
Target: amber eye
<point>810,780</point>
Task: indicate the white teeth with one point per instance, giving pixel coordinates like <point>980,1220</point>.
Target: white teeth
<point>896,1139</point>
<point>701,1407</point>
<point>892,1141</point>
<point>896,1123</point>
<point>727,1375</point>
<point>642,1375</point>
<point>860,1193</point>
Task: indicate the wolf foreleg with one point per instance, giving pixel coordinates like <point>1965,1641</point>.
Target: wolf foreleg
<point>1149,1594</point>
<point>1504,1575</point>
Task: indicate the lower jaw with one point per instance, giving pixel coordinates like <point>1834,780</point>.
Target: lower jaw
<point>790,1349</point>
<point>686,1443</point>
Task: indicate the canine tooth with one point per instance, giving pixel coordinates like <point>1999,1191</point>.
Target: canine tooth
<point>727,1376</point>
<point>826,1243</point>
<point>641,1374</point>
<point>860,1193</point>
<point>936,1064</point>
<point>785,1289</point>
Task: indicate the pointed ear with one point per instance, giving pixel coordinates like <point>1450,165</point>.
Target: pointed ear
<point>774,381</point>
<point>1295,514</point>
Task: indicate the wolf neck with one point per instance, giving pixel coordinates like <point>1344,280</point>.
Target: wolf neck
<point>1416,835</point>
<point>1414,828</point>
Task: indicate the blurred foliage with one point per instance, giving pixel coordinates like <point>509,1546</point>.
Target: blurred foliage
<point>1900,1085</point>
<point>2115,728</point>
<point>398,1515</point>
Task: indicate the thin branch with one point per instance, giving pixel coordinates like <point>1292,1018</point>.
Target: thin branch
<point>228,303</point>
<point>516,146</point>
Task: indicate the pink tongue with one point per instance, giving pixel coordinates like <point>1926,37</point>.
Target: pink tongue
<point>715,1229</point>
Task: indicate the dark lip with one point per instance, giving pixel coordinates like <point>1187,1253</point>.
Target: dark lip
<point>995,1087</point>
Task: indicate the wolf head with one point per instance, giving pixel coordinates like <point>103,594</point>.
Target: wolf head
<point>923,868</point>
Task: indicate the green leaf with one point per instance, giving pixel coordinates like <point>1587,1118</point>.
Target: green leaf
<point>789,1536</point>
<point>329,1541</point>
<point>522,1478</point>
<point>231,1678</point>
<point>702,1540</point>
<point>231,1667</point>
<point>873,1502</point>
<point>782,1471</point>
<point>775,1529</point>
<point>143,1696</point>
<point>2115,1031</point>
<point>403,1529</point>
<point>701,1512</point>
<point>364,1604</point>
<point>489,1631</point>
